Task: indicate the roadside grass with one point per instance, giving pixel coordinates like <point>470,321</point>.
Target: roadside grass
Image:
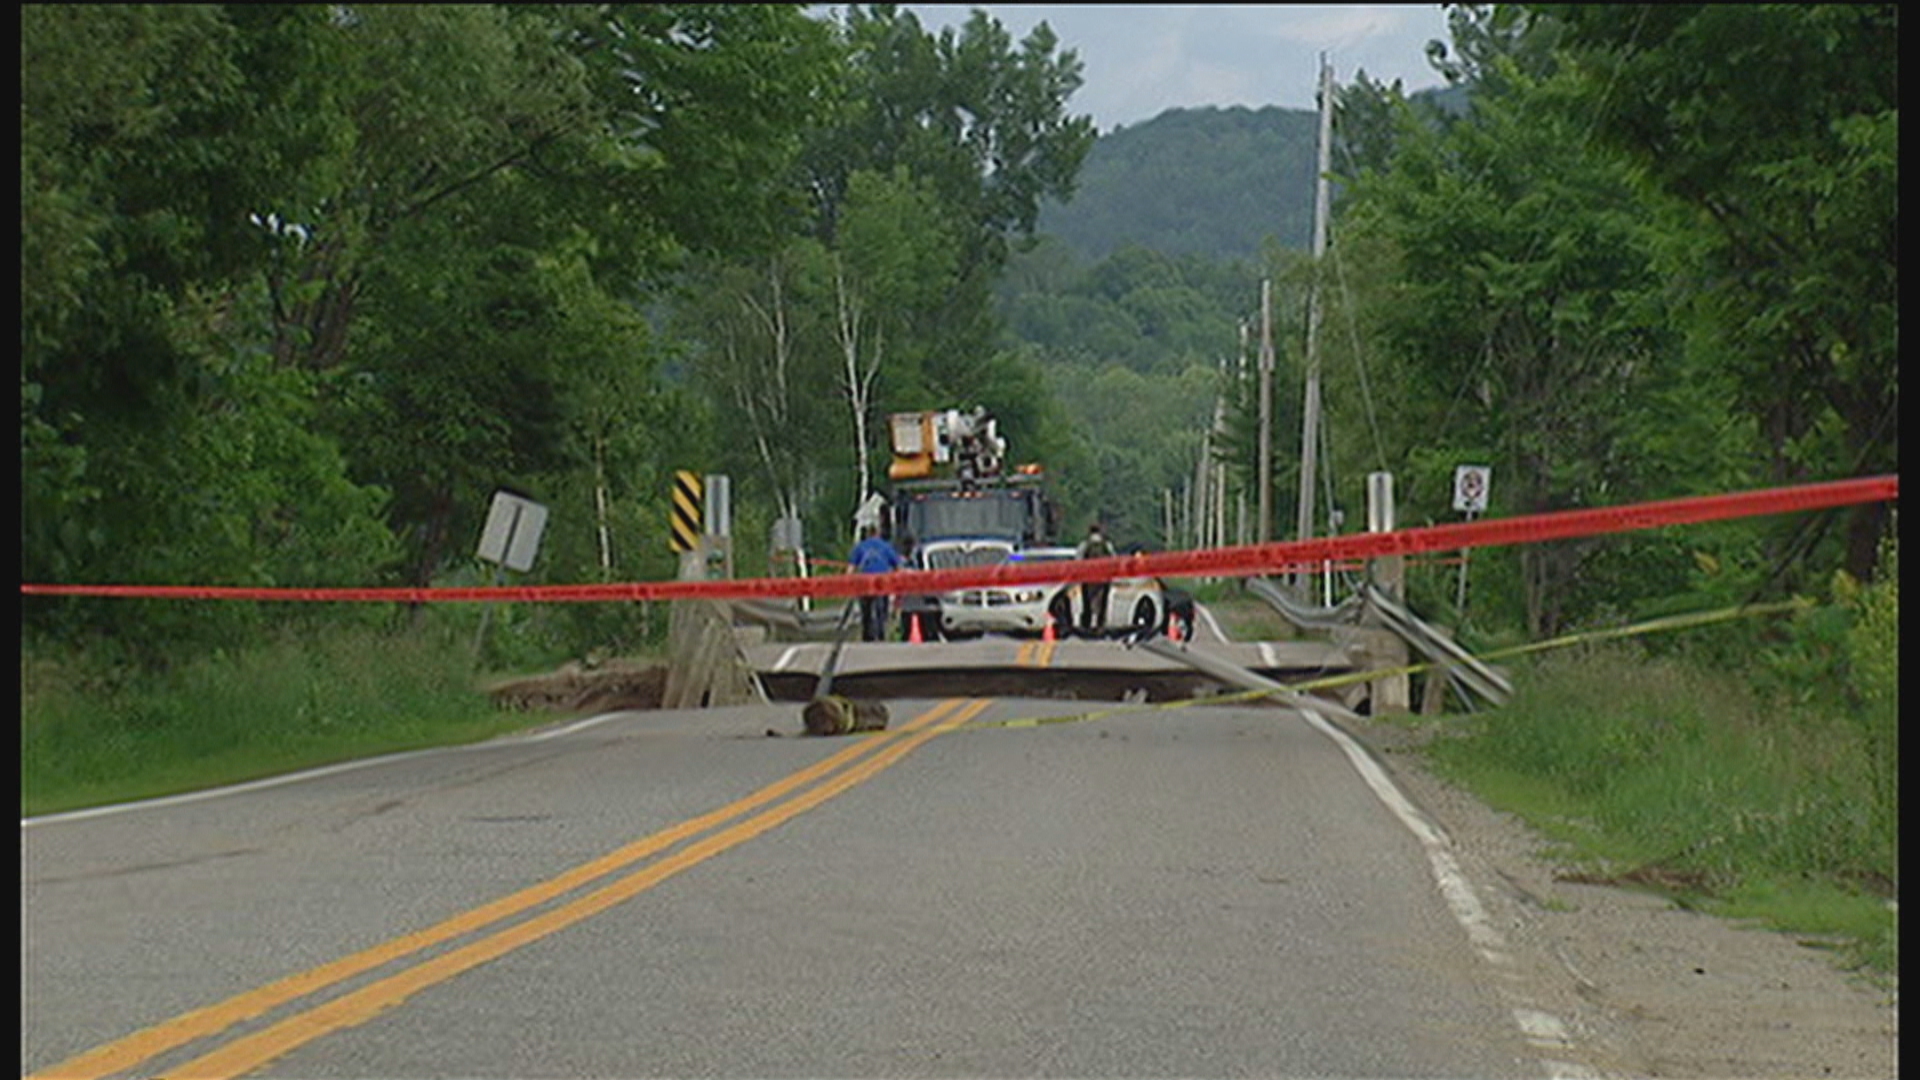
<point>93,732</point>
<point>1242,615</point>
<point>1663,772</point>
<point>1856,925</point>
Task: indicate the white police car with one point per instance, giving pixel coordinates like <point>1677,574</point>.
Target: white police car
<point>1133,604</point>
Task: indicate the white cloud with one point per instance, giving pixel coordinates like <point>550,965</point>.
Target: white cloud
<point>1141,60</point>
<point>1341,27</point>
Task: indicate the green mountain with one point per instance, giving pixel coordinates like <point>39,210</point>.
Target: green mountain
<point>1211,181</point>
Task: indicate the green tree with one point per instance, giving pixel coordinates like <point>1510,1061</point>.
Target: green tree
<point>980,121</point>
<point>159,443</point>
<point>1778,127</point>
<point>707,106</point>
<point>760,343</point>
<point>1531,314</point>
<point>513,177</point>
<point>983,121</point>
<point>1495,48</point>
<point>930,160</point>
<point>421,103</point>
<point>483,342</point>
<point>288,270</point>
<point>896,257</point>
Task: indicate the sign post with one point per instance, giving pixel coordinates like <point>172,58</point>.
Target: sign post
<point>510,540</point>
<point>1470,483</point>
<point>716,533</point>
<point>868,513</point>
<point>1388,573</point>
<point>789,546</point>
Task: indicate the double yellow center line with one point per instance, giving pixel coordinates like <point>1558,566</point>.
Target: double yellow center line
<point>840,771</point>
<point>1037,654</point>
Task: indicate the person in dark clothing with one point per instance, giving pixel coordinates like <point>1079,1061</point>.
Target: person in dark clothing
<point>1179,610</point>
<point>1093,611</point>
<point>873,555</point>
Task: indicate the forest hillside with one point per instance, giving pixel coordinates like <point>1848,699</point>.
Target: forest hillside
<point>1206,181</point>
<point>1214,182</point>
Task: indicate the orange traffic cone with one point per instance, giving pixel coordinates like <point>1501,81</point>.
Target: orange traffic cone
<point>913,631</point>
<point>1046,631</point>
<point>1173,629</point>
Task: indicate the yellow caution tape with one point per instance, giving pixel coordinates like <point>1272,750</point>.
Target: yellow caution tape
<point>1650,626</point>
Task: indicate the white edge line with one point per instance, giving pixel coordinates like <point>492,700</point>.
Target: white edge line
<point>1453,884</point>
<point>167,801</point>
<point>1542,1030</point>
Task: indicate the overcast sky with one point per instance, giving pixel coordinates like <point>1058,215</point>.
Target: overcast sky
<point>1143,59</point>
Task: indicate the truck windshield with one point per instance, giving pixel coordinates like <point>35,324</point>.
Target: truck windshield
<point>980,513</point>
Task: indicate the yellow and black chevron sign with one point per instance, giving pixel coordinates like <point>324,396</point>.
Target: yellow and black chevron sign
<point>686,511</point>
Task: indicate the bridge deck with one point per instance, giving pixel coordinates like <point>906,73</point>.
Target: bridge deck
<point>1005,666</point>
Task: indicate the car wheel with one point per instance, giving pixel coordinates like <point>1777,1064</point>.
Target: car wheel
<point>1146,617</point>
<point>1061,612</point>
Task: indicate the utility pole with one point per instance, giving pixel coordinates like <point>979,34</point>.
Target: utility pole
<point>1203,490</point>
<point>1241,535</point>
<point>1217,488</point>
<point>1310,413</point>
<point>1264,502</point>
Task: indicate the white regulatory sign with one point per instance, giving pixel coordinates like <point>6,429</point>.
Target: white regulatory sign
<point>1470,488</point>
<point>869,511</point>
<point>512,534</point>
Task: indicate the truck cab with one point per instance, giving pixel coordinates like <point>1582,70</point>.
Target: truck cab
<point>942,527</point>
<point>954,504</point>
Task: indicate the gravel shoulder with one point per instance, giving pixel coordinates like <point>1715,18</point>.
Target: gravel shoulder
<point>1648,988</point>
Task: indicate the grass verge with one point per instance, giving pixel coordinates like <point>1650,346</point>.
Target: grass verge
<point>92,733</point>
<point>1241,615</point>
<point>1666,774</point>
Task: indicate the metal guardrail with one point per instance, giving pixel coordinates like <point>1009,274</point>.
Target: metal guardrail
<point>1305,617</point>
<point>1470,676</point>
<point>789,617</point>
<point>1466,670</point>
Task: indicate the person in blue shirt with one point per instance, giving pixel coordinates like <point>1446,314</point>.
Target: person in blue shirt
<point>873,555</point>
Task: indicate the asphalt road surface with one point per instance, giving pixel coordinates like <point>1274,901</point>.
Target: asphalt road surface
<point>1207,891</point>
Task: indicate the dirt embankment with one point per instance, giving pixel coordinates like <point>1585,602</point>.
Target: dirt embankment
<point>575,688</point>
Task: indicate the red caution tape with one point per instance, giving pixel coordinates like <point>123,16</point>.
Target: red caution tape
<point>1216,562</point>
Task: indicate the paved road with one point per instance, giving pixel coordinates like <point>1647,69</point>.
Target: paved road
<point>1206,891</point>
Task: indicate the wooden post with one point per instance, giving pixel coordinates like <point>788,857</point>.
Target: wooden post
<point>1433,697</point>
<point>1388,573</point>
<point>684,628</point>
<point>707,666</point>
